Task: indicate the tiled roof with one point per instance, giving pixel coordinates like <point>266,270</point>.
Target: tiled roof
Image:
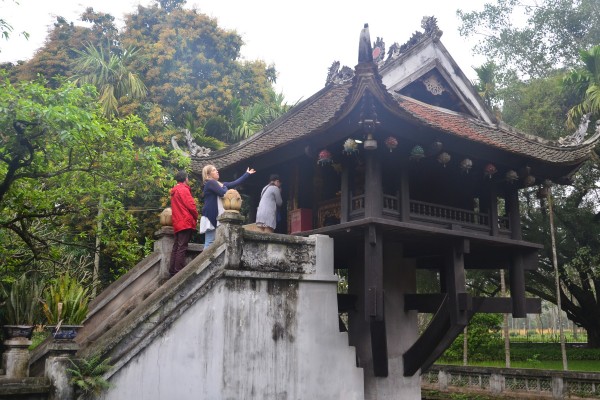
<point>318,112</point>
<point>499,137</point>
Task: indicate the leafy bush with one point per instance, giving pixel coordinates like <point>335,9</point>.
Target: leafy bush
<point>484,340</point>
<point>87,375</point>
<point>22,304</point>
<point>66,301</point>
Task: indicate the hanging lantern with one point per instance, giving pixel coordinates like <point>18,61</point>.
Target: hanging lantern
<point>391,143</point>
<point>529,180</point>
<point>324,157</point>
<point>466,165</point>
<point>350,147</point>
<point>435,147</point>
<point>444,158</point>
<point>417,153</point>
<point>511,176</point>
<point>490,170</point>
<point>542,192</point>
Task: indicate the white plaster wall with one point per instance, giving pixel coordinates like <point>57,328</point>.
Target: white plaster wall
<point>250,338</point>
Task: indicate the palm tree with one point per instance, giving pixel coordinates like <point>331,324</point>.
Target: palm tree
<point>110,74</point>
<point>584,82</point>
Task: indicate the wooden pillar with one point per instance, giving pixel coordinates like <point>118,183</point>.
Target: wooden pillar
<point>345,195</point>
<point>404,194</point>
<point>373,185</point>
<point>493,207</point>
<point>514,217</point>
<point>455,283</point>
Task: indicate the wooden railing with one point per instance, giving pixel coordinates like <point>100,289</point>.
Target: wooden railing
<point>512,382</point>
<point>432,213</point>
<point>437,213</point>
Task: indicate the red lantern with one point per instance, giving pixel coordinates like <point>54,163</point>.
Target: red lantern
<point>490,170</point>
<point>391,143</point>
<point>324,157</point>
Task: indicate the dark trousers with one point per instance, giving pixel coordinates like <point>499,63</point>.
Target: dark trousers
<point>178,253</point>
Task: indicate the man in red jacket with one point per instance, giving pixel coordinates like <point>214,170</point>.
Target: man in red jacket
<point>185,218</point>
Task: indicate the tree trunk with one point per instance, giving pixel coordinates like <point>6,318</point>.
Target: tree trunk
<point>593,335</point>
<point>505,323</point>
<point>465,347</point>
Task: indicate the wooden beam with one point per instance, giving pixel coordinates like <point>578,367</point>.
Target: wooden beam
<point>431,302</point>
<point>438,336</point>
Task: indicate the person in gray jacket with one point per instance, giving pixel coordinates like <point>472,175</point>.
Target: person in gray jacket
<point>270,199</point>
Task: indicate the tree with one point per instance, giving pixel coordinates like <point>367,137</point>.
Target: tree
<point>190,65</point>
<point>551,35</point>
<point>584,83</point>
<point>532,60</point>
<point>58,154</point>
<point>56,57</point>
<point>110,74</point>
<point>538,106</point>
<point>578,246</point>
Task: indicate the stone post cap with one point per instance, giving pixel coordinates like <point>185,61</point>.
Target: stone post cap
<point>232,201</point>
<point>231,217</point>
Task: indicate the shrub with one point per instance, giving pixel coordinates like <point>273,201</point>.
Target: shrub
<point>22,304</point>
<point>66,301</point>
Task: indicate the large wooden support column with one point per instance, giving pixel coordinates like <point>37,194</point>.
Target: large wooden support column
<point>373,295</point>
<point>517,286</point>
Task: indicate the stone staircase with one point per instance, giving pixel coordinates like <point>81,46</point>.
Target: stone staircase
<point>251,304</point>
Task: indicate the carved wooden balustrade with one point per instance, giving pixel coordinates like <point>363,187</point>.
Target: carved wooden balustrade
<point>419,212</point>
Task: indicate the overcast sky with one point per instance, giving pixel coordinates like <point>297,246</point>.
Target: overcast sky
<point>301,38</point>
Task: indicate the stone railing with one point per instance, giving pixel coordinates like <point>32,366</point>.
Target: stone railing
<point>512,382</point>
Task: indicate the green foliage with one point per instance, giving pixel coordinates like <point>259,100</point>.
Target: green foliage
<point>22,304</point>
<point>58,157</point>
<point>65,301</point>
<point>110,74</point>
<point>584,83</point>
<point>538,106</point>
<point>87,375</point>
<point>484,339</point>
<point>533,38</point>
<point>190,65</point>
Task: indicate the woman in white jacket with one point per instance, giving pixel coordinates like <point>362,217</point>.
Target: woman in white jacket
<point>270,199</point>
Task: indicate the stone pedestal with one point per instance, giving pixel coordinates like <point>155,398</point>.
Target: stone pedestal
<point>58,355</point>
<point>164,244</point>
<point>15,359</point>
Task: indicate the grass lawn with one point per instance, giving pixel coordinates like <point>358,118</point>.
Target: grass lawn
<point>574,365</point>
<point>533,355</point>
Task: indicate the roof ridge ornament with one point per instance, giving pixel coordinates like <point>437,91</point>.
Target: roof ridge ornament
<point>365,51</point>
<point>430,30</point>
<point>194,149</point>
<point>577,137</point>
<point>335,75</point>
